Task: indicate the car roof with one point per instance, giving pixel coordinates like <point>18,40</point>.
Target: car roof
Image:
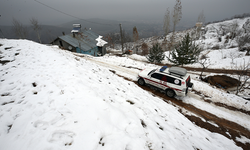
<point>178,70</point>
<point>175,71</point>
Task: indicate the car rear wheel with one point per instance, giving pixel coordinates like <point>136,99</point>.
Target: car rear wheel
<point>141,81</point>
<point>170,93</point>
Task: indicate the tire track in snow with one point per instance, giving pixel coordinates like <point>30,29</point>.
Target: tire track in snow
<point>206,120</point>
<point>131,74</point>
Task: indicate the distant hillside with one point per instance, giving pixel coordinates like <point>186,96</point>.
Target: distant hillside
<point>103,26</point>
<point>100,26</point>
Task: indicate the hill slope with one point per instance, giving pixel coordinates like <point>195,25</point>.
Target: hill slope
<point>52,100</point>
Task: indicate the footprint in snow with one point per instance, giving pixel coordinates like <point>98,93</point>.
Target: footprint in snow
<point>62,137</point>
<point>41,125</point>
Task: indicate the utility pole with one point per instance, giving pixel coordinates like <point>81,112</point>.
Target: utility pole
<point>121,36</point>
<point>1,31</point>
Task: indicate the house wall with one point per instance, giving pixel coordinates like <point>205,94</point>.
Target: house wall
<point>92,52</point>
<point>64,45</point>
<point>102,50</point>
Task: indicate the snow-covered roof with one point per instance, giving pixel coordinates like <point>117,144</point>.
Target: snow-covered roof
<point>86,40</point>
<point>100,41</point>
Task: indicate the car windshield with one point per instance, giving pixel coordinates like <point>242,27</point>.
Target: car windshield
<point>152,71</point>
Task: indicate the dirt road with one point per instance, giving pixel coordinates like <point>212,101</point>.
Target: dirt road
<point>206,120</point>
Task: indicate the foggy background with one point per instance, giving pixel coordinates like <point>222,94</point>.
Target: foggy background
<point>105,15</point>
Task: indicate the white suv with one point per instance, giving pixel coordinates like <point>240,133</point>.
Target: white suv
<point>174,80</point>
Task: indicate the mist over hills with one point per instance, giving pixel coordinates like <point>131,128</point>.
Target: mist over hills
<point>47,33</point>
<point>146,28</point>
<point>100,26</point>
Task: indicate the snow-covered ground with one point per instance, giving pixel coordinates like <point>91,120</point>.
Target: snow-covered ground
<point>53,99</point>
<point>215,94</point>
<point>222,54</point>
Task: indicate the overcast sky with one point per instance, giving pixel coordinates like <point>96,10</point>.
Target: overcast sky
<point>122,10</point>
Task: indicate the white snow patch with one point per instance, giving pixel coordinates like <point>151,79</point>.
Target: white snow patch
<point>100,41</point>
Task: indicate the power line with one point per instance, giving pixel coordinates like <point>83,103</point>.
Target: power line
<point>70,14</point>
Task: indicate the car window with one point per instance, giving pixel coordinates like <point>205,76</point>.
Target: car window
<point>152,71</point>
<point>157,76</point>
<point>166,78</point>
<point>173,80</point>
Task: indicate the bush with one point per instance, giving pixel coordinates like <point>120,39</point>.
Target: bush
<point>156,54</point>
<point>187,52</point>
<point>144,48</point>
<point>243,40</point>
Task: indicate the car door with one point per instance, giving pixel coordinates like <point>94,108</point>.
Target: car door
<point>174,83</point>
<point>157,80</point>
<point>164,82</point>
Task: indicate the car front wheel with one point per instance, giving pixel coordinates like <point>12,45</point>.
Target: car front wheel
<point>141,81</point>
<point>170,93</point>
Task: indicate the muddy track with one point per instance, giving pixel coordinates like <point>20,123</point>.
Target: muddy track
<point>221,104</point>
<point>227,128</point>
<point>215,124</point>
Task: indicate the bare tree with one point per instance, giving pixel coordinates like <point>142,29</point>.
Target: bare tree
<point>122,42</point>
<point>242,40</point>
<point>20,31</point>
<point>243,37</point>
<point>205,63</point>
<point>135,34</point>
<point>177,14</point>
<point>112,39</point>
<point>199,24</point>
<point>176,17</point>
<point>135,38</point>
<point>126,40</point>
<point>36,27</point>
<point>144,48</point>
<point>201,17</point>
<point>166,29</point>
<point>243,76</point>
<point>246,26</point>
<point>233,28</point>
<point>166,26</point>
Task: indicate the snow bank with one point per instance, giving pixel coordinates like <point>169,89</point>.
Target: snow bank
<point>100,41</point>
<point>51,99</point>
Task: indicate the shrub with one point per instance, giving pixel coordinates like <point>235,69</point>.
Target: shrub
<point>144,48</point>
<point>156,54</point>
<point>242,41</point>
<point>187,52</point>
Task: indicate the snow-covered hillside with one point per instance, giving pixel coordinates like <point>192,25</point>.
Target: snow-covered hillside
<point>220,48</point>
<point>51,99</point>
